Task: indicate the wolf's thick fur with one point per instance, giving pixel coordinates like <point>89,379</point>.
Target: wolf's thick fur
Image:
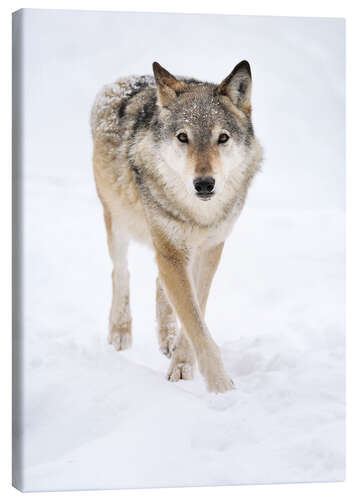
<point>173,160</point>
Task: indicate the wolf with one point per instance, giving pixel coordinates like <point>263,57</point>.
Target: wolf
<point>173,159</point>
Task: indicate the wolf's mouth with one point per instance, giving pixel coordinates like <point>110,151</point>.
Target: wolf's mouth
<point>204,196</point>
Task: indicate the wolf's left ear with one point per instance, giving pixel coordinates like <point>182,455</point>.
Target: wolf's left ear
<point>167,85</point>
<point>237,86</point>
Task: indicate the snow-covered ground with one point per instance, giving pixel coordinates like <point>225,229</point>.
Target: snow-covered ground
<point>95,418</point>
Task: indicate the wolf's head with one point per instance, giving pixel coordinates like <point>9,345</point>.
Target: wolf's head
<point>206,131</point>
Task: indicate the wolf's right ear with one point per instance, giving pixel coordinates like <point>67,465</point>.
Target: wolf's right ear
<point>167,85</point>
<point>237,86</point>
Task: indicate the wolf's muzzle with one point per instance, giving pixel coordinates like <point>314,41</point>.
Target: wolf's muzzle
<point>204,186</point>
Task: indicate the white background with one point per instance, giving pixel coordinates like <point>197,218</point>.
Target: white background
<point>342,487</point>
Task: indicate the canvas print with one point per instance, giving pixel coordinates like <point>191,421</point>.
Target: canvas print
<point>178,250</point>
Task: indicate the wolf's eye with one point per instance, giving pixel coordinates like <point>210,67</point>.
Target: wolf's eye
<point>223,138</point>
<point>182,137</point>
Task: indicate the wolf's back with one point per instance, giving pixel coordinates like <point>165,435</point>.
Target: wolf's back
<point>111,98</point>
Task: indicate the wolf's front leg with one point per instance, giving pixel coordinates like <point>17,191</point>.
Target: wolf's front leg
<point>120,317</point>
<point>204,268</point>
<point>175,275</point>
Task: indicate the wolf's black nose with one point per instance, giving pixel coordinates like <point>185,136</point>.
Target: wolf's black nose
<point>204,185</point>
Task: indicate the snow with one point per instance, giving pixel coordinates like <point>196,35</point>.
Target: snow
<point>96,418</point>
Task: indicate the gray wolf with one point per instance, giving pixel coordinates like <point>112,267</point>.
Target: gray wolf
<point>173,160</point>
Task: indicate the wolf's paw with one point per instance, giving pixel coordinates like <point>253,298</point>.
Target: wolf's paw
<point>212,369</point>
<point>167,344</point>
<point>120,336</point>
<point>167,334</point>
<point>219,383</point>
<point>183,361</point>
<point>180,371</point>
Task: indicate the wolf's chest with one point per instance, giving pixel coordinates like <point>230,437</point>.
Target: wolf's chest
<point>198,237</point>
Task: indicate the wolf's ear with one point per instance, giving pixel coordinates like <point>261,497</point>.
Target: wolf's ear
<point>167,85</point>
<point>237,86</point>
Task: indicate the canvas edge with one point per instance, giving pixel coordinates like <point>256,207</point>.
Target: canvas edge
<point>17,200</point>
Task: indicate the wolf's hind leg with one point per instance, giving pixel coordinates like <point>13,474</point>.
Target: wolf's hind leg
<point>166,321</point>
<point>120,317</point>
<point>172,343</point>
